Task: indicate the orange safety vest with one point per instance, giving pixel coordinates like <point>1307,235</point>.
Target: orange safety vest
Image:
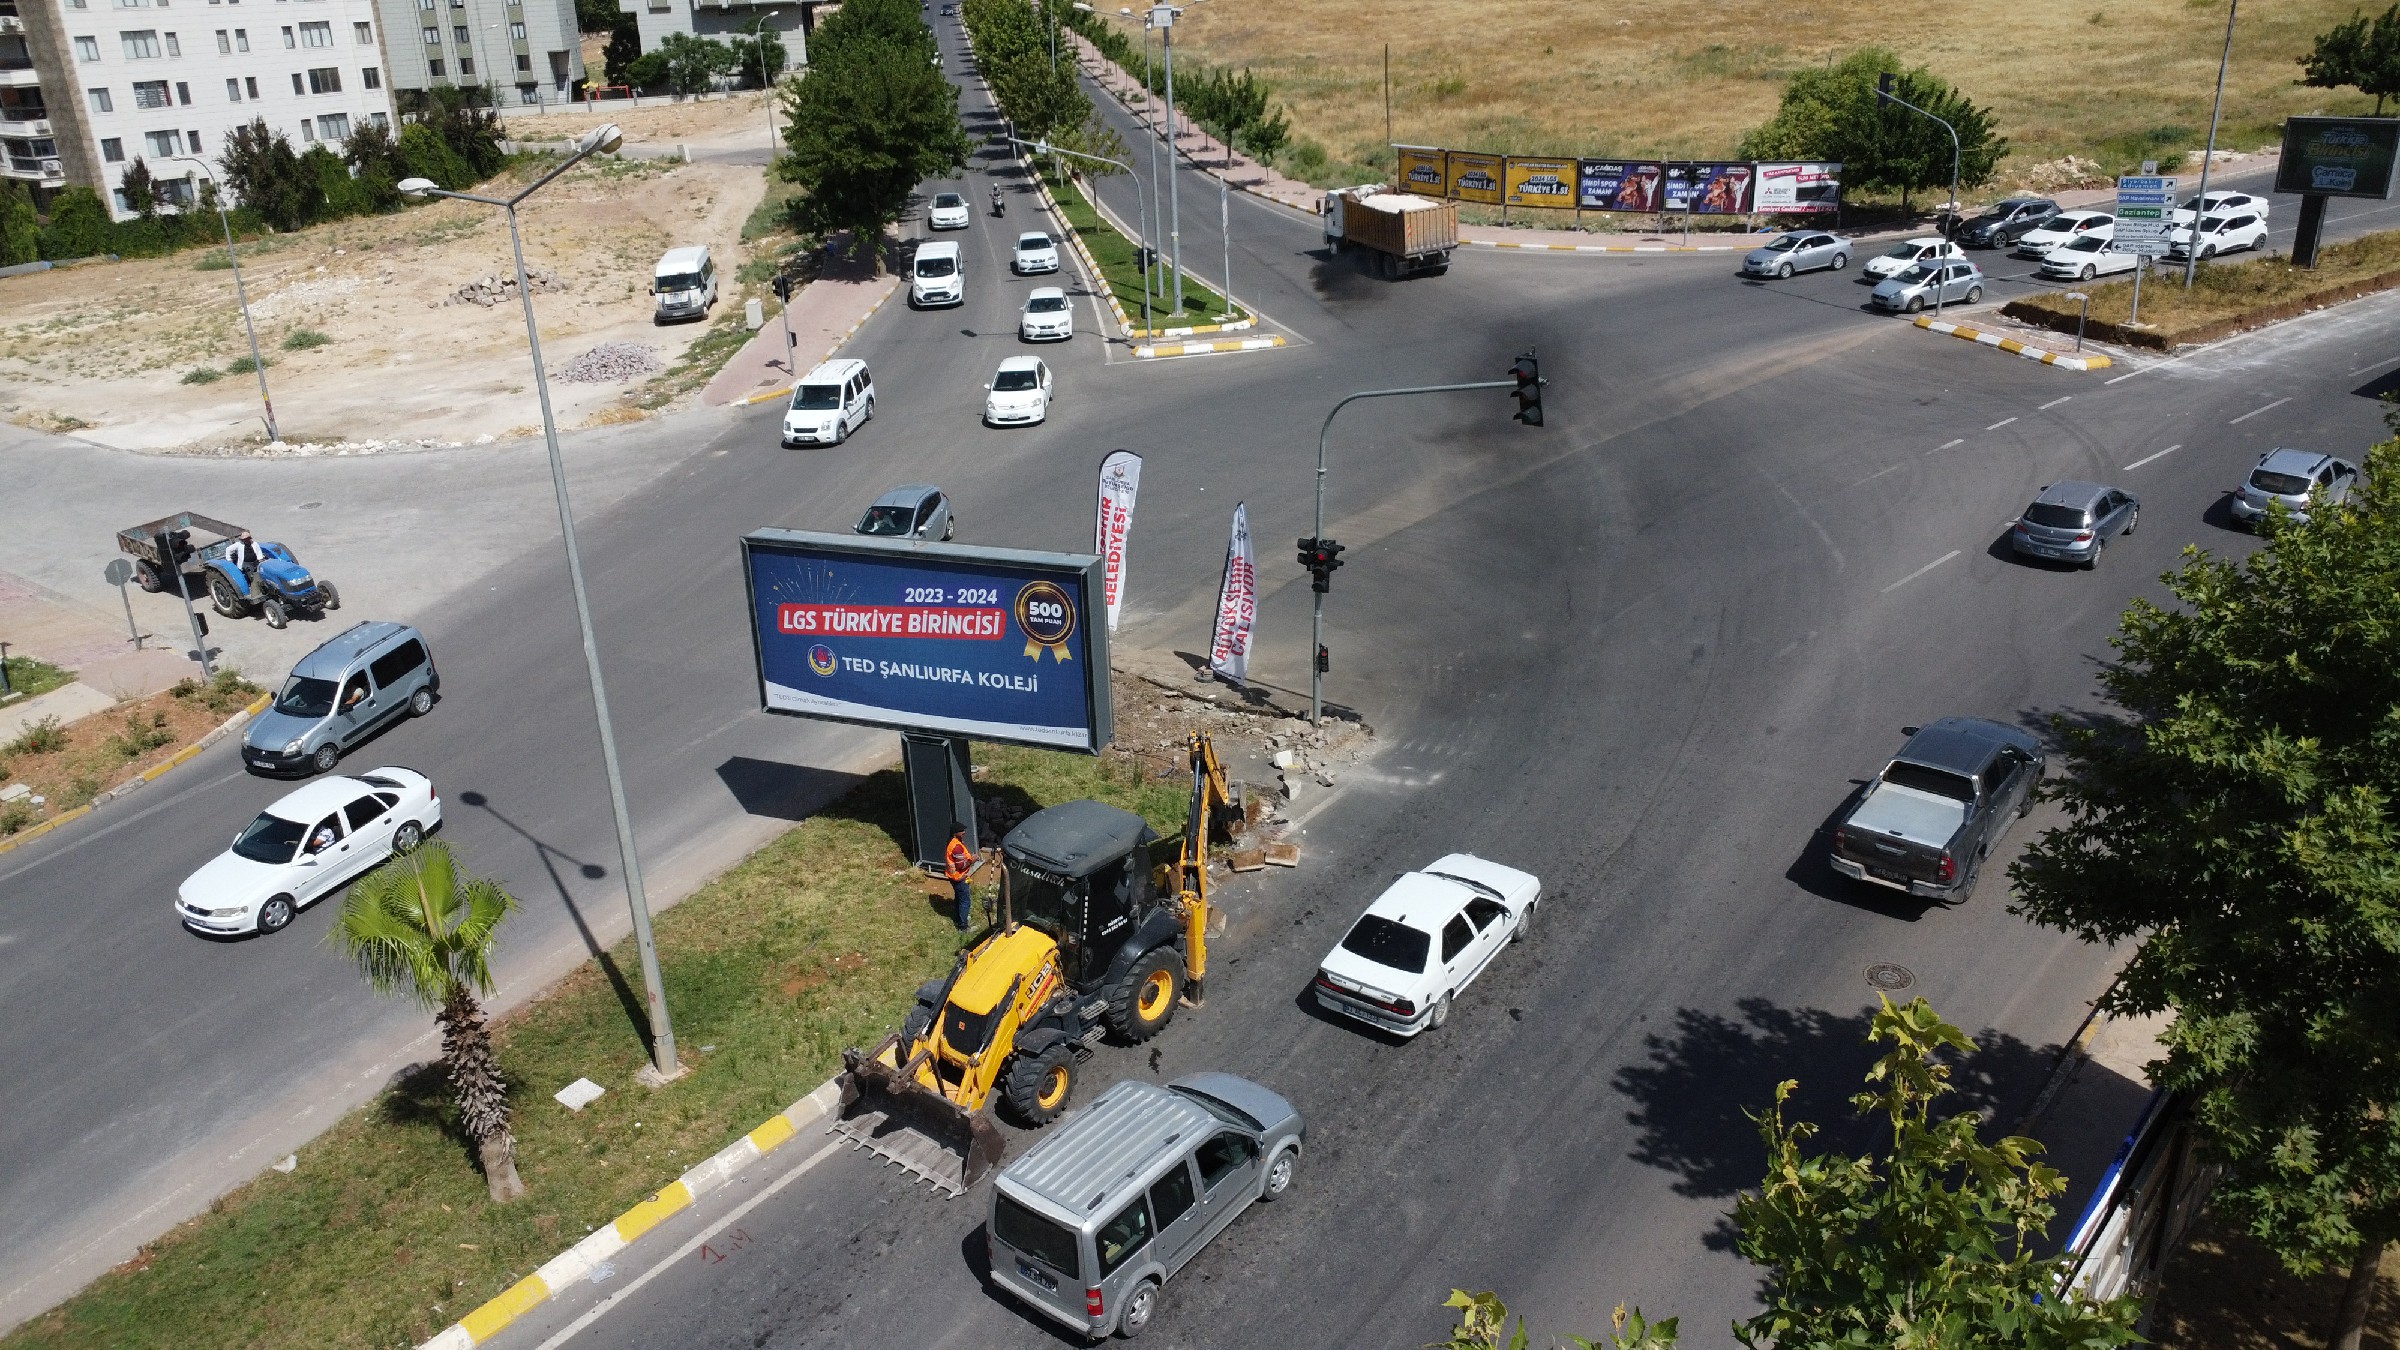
<point>959,859</point>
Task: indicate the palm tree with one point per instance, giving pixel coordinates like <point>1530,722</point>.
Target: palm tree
<point>416,928</point>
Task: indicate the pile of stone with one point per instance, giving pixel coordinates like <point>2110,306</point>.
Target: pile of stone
<point>612,362</point>
<point>493,290</point>
<point>2058,175</point>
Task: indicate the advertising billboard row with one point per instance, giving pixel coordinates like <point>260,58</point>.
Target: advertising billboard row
<point>1703,188</point>
<point>992,644</point>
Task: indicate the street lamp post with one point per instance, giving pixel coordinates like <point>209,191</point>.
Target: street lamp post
<point>766,82</point>
<point>1883,91</point>
<point>2191,261</point>
<point>242,296</point>
<point>1046,148</point>
<point>601,140</point>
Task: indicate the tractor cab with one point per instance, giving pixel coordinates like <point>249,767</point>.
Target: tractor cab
<point>1080,872</point>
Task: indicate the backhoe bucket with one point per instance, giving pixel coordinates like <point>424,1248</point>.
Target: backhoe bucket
<point>897,1118</point>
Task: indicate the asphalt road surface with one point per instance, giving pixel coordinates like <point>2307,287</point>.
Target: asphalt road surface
<point>1644,651</point>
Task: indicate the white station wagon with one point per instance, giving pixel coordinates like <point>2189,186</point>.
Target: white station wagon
<point>1424,940</point>
<point>304,847</point>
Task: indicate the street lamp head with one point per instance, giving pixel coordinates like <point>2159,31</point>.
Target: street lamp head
<point>603,140</point>
<point>415,187</point>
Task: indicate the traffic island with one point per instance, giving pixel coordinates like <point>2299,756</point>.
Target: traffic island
<point>1110,257</point>
<point>2225,297</point>
<point>2030,351</point>
<point>53,771</point>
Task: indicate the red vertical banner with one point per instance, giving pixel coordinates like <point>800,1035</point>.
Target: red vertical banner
<point>1120,479</point>
<point>1237,605</point>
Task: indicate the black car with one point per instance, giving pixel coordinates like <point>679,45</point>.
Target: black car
<point>2004,223</point>
<point>1926,823</point>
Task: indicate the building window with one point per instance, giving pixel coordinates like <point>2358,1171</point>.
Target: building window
<point>383,120</point>
<point>133,4</point>
<point>150,93</point>
<point>529,93</point>
<point>174,45</point>
<point>524,63</point>
<point>325,80</point>
<point>433,37</point>
<point>370,77</point>
<point>426,5</point>
<point>162,143</point>
<point>296,86</point>
<point>517,31</point>
<point>194,138</point>
<point>87,49</point>
<point>224,43</point>
<point>250,82</point>
<point>316,35</point>
<point>466,65</point>
<point>289,42</point>
<point>183,93</point>
<point>365,33</point>
<point>140,44</point>
<point>177,190</point>
<point>459,34</point>
<point>433,67</point>
<point>241,39</point>
<point>112,150</point>
<point>334,126</point>
<point>233,90</point>
<point>308,131</point>
<point>100,100</point>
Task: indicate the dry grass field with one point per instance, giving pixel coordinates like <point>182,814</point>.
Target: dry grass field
<point>2117,80</point>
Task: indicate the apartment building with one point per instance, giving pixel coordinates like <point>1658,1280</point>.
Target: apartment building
<point>89,86</point>
<point>524,51</point>
<point>725,21</point>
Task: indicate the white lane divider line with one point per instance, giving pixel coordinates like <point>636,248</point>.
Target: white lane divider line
<point>2375,365</point>
<point>2053,403</point>
<point>2124,377</point>
<point>1920,572</point>
<point>1948,444</point>
<point>2147,458</point>
<point>2256,411</point>
<point>1891,468</point>
<point>1999,424</point>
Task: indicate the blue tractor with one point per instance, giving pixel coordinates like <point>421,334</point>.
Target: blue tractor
<point>166,558</point>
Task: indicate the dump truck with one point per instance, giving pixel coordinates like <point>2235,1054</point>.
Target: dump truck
<point>1403,233</point>
<point>1091,939</point>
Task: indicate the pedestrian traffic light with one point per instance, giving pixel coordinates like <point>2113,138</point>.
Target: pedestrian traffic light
<point>1320,557</point>
<point>1324,659</point>
<point>1528,393</point>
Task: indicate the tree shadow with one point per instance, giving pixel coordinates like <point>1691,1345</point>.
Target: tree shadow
<point>420,1095</point>
<point>1690,1094</point>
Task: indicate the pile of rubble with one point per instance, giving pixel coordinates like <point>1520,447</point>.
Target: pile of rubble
<point>612,362</point>
<point>494,290</point>
<point>2058,175</point>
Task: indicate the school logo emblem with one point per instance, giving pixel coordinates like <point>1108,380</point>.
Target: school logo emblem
<point>820,659</point>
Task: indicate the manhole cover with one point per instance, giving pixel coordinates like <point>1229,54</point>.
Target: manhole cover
<point>1885,975</point>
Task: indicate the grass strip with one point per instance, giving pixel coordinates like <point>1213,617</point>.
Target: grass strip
<point>1114,253</point>
<point>32,678</point>
<point>2223,295</point>
<point>382,1235</point>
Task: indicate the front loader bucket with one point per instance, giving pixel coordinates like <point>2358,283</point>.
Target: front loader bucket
<point>897,1118</point>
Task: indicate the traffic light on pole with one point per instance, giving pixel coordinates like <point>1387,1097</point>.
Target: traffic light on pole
<point>1320,557</point>
<point>1528,393</point>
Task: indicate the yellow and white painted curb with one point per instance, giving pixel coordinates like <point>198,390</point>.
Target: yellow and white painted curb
<point>771,395</point>
<point>2007,344</point>
<point>149,775</point>
<point>1237,326</point>
<point>1257,344</point>
<point>1606,248</point>
<point>578,1261</point>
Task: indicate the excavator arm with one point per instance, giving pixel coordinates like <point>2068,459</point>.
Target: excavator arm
<point>1212,799</point>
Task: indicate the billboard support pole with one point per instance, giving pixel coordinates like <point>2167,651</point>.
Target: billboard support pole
<point>2191,263</point>
<point>2304,238</point>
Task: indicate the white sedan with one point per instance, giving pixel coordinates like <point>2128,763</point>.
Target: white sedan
<point>1908,253</point>
<point>2086,258</point>
<point>1036,252</point>
<point>2065,228</point>
<point>949,212</point>
<point>1424,940</point>
<point>2220,234</point>
<point>1019,395</point>
<point>305,846</point>
<point>1047,317</point>
<point>2218,204</point>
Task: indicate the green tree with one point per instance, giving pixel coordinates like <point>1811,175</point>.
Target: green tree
<point>597,16</point>
<point>623,50</point>
<point>758,38</point>
<point>424,154</point>
<point>265,176</point>
<point>20,226</point>
<point>1833,114</point>
<point>418,929</point>
<point>376,166</point>
<point>79,225</point>
<point>873,118</point>
<point>2235,827</point>
<point>1929,1244</point>
<point>2358,54</point>
<point>691,65</point>
<point>1483,1324</point>
<point>141,189</point>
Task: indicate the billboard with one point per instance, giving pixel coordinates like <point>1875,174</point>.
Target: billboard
<point>1786,189</point>
<point>1475,178</point>
<point>1422,171</point>
<point>954,639</point>
<point>1618,185</point>
<point>1539,182</point>
<point>1709,189</point>
<point>2338,156</point>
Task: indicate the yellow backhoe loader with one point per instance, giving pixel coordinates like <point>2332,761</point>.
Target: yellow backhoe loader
<point>1092,938</point>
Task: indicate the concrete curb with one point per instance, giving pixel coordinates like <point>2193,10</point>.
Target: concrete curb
<point>232,724</point>
<point>2047,358</point>
<point>1240,325</point>
<point>1605,248</point>
<point>1134,334</point>
<point>838,343</point>
<point>1207,348</point>
<point>577,1262</point>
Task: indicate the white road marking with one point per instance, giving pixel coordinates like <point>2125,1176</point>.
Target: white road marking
<point>2147,458</point>
<point>698,1240</point>
<point>2053,403</point>
<point>2256,411</point>
<point>1999,424</point>
<point>1920,572</point>
<point>1947,444</point>
<point>1875,475</point>
<point>2124,377</point>
<point>2384,362</point>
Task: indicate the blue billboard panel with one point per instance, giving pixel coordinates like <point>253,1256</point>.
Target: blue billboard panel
<point>992,644</point>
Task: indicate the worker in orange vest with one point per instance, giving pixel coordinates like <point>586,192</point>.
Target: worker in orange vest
<point>958,863</point>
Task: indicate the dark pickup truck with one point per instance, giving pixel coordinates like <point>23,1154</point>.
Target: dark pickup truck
<point>1926,822</point>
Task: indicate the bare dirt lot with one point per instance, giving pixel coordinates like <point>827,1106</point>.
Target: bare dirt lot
<point>105,350</point>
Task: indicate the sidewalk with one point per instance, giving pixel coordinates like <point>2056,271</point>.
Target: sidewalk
<point>38,622</point>
<point>2093,1101</point>
<point>823,315</point>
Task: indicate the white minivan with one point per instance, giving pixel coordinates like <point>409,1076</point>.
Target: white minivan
<point>829,403</point>
<point>938,278</point>
<point>685,284</point>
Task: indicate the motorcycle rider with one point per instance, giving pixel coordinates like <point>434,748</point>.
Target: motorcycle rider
<point>999,203</point>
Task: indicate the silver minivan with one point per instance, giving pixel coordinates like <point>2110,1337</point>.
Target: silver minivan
<point>1089,1224</point>
<point>340,694</point>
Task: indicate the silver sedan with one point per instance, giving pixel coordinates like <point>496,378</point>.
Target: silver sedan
<point>1959,281</point>
<point>1797,251</point>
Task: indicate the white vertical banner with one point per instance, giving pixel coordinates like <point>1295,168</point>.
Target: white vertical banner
<point>1237,605</point>
<point>1120,478</point>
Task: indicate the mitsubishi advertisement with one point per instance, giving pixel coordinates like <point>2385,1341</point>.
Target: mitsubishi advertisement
<point>1798,189</point>
<point>954,639</point>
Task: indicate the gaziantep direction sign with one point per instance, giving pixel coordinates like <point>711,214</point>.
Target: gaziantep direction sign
<point>954,639</point>
<point>2143,222</point>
